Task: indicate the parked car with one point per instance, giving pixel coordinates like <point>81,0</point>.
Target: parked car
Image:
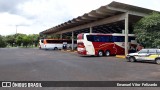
<point>145,55</point>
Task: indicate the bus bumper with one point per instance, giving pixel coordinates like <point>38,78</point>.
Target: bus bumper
<point>82,52</point>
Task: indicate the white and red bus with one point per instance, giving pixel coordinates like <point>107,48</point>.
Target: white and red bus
<point>56,44</point>
<point>103,44</point>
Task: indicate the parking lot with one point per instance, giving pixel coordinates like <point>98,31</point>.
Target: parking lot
<point>41,65</point>
<point>35,64</point>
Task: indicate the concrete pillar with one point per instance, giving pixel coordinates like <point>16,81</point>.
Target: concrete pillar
<point>90,30</point>
<point>126,33</point>
<point>61,36</point>
<point>72,40</point>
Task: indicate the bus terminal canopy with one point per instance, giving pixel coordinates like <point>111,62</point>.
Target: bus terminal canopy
<point>113,18</point>
<point>110,13</point>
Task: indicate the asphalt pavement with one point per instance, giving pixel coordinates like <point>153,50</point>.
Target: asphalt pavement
<point>20,64</point>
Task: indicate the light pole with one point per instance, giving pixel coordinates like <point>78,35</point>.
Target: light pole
<point>16,29</point>
<point>16,34</point>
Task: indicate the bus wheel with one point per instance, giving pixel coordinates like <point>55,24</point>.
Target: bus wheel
<point>100,53</point>
<point>107,53</point>
<point>55,48</point>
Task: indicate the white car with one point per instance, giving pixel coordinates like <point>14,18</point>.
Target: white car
<point>145,55</point>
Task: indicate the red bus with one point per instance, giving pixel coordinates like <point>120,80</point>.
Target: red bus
<point>103,44</point>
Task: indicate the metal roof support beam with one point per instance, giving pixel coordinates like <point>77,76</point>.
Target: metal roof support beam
<point>61,36</point>
<point>126,33</point>
<point>104,13</point>
<point>91,29</point>
<point>81,20</point>
<point>101,13</point>
<point>116,9</point>
<point>96,23</point>
<point>95,16</point>
<point>73,21</point>
<point>88,18</point>
<point>129,12</point>
<point>137,13</point>
<point>72,40</point>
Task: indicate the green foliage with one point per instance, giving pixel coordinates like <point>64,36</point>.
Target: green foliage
<point>20,40</point>
<point>34,39</point>
<point>10,39</point>
<point>26,40</point>
<point>147,30</point>
<point>2,42</point>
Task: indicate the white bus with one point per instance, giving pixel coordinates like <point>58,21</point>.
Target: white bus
<point>104,44</point>
<point>56,44</point>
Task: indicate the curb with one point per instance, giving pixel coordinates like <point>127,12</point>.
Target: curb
<point>69,51</point>
<point>75,51</point>
<point>120,56</point>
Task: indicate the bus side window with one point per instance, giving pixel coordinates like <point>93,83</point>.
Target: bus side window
<point>57,41</point>
<point>131,38</point>
<point>102,39</point>
<point>96,38</point>
<point>90,38</point>
<point>114,38</point>
<point>118,38</point>
<point>47,41</point>
<point>107,39</point>
<point>110,38</point>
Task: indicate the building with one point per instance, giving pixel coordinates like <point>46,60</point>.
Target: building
<point>113,18</point>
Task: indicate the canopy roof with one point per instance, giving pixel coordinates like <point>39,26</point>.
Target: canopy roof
<point>110,10</point>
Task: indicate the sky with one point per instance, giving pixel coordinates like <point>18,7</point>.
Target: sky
<point>34,16</point>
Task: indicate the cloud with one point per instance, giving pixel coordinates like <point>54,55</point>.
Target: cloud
<point>35,16</point>
<point>10,6</point>
<point>12,19</point>
<point>54,12</point>
<point>9,21</point>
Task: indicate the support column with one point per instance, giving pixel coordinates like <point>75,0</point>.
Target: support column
<point>72,40</point>
<point>126,34</point>
<point>90,30</point>
<point>61,36</point>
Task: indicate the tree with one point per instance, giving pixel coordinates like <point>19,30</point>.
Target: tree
<point>35,39</point>
<point>2,42</point>
<point>147,30</point>
<point>11,40</point>
<point>19,39</point>
<point>26,40</point>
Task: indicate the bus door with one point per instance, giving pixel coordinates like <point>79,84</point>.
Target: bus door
<point>89,45</point>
